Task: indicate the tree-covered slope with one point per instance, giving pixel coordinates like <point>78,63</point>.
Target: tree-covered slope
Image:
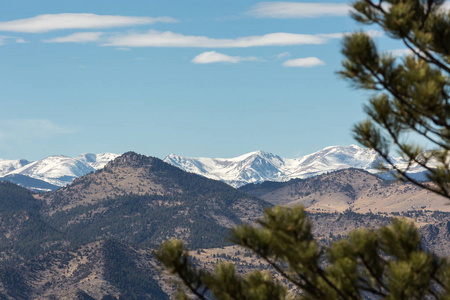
<point>30,183</point>
<point>23,231</point>
<point>105,269</point>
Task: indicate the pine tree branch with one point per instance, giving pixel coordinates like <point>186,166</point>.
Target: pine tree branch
<point>373,5</point>
<point>381,284</point>
<point>408,178</point>
<point>399,97</point>
<point>332,285</point>
<point>404,150</point>
<point>191,288</point>
<point>429,138</point>
<point>290,278</point>
<point>443,190</point>
<point>373,291</point>
<point>431,58</point>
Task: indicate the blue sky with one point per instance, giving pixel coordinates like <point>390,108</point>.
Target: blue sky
<point>195,78</point>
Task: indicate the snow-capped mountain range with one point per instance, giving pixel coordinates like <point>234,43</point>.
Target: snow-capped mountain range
<point>254,167</point>
<point>58,170</point>
<point>259,166</point>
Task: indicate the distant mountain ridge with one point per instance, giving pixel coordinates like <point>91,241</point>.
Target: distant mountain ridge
<point>259,166</point>
<point>255,167</point>
<point>30,183</point>
<point>52,172</point>
<point>349,189</point>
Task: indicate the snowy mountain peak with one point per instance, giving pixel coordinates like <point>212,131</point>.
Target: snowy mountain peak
<point>259,166</point>
<point>252,167</point>
<point>58,170</point>
<point>97,161</point>
<point>7,166</point>
<point>88,157</point>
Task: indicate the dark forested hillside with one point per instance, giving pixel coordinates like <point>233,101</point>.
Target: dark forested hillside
<point>23,231</point>
<point>14,198</point>
<point>33,184</point>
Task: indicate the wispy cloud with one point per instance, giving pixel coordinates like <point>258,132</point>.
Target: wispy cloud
<point>337,35</point>
<point>306,62</point>
<point>400,52</point>
<point>155,38</point>
<point>374,33</point>
<point>50,22</point>
<point>215,57</point>
<point>291,10</point>
<point>79,37</point>
<point>283,55</point>
<point>16,129</point>
<point>5,39</point>
<point>371,33</point>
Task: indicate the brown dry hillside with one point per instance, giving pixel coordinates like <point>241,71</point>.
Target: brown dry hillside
<point>352,189</point>
<point>143,200</point>
<point>128,174</point>
<point>139,175</point>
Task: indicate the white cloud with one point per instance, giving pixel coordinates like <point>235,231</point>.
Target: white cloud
<point>371,33</point>
<point>215,57</point>
<point>306,62</point>
<point>45,23</point>
<point>31,128</point>
<point>374,33</point>
<point>5,39</point>
<point>446,5</point>
<point>79,37</point>
<point>155,38</point>
<point>283,55</point>
<point>403,52</point>
<point>290,10</point>
<point>334,35</point>
<point>400,52</point>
